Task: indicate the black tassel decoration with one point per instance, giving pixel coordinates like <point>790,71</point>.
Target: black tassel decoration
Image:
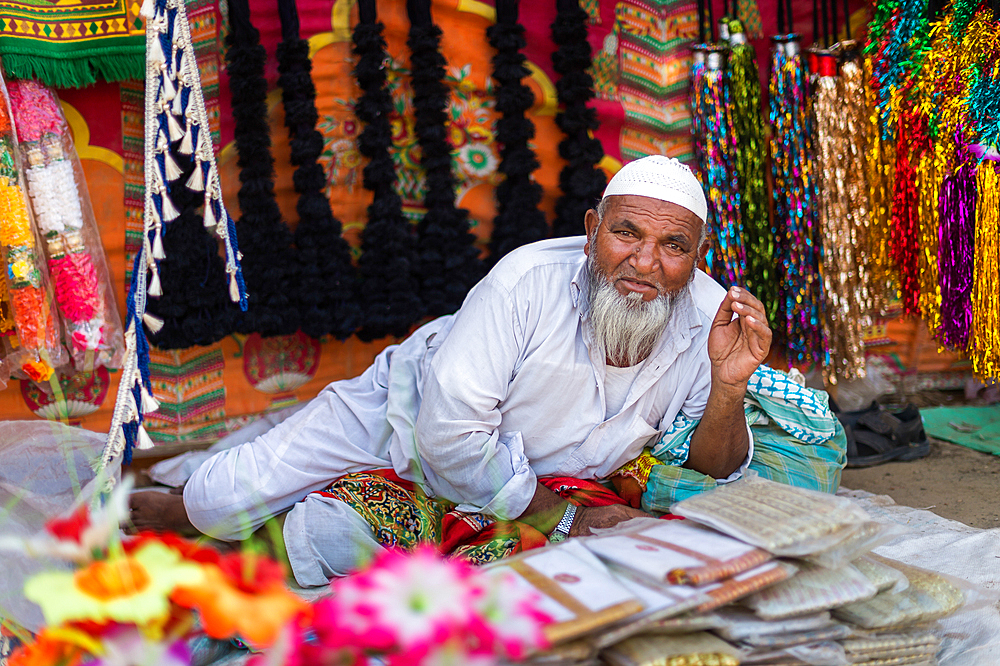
<point>519,220</point>
<point>388,292</point>
<point>269,266</point>
<point>448,262</point>
<point>328,304</point>
<point>581,181</point>
<point>193,307</point>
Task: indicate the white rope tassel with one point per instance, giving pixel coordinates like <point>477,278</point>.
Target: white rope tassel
<point>170,212</point>
<point>155,55</point>
<point>187,145</point>
<point>148,9</point>
<point>174,126</point>
<point>173,172</point>
<point>210,220</point>
<point>155,290</point>
<point>169,92</point>
<point>152,322</point>
<point>149,403</point>
<point>143,441</point>
<point>234,289</point>
<point>196,183</point>
<point>177,106</point>
<point>158,252</point>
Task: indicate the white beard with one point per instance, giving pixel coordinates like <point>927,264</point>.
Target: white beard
<point>625,327</point>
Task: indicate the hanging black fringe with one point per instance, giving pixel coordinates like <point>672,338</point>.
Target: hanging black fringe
<point>581,182</point>
<point>448,262</point>
<point>388,292</point>
<point>269,266</point>
<point>327,302</point>
<point>194,310</point>
<point>518,219</point>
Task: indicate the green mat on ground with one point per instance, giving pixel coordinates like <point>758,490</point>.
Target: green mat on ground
<point>973,427</point>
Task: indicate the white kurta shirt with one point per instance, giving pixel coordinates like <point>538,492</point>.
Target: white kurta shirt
<point>512,388</point>
<point>475,406</point>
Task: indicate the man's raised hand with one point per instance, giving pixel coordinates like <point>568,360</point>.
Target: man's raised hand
<point>738,345</point>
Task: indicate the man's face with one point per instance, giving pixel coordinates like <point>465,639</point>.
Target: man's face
<point>644,246</point>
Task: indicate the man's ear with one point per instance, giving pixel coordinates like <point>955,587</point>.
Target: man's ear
<point>590,223</point>
<point>703,248</point>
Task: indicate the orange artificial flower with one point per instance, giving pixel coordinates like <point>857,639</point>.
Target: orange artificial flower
<point>244,595</point>
<point>47,650</point>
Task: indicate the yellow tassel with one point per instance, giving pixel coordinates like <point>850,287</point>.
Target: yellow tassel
<point>984,345</point>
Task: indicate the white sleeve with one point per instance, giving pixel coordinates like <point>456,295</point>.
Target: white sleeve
<point>465,458</point>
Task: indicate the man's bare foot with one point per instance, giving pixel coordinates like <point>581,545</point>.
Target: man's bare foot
<point>160,512</point>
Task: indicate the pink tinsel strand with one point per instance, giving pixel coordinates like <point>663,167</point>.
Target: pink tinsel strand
<point>77,289</point>
<point>36,111</point>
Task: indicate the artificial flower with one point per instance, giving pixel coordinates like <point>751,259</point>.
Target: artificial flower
<point>48,649</point>
<point>243,595</point>
<point>128,647</point>
<point>132,589</point>
<point>80,536</point>
<point>408,600</point>
<point>514,615</point>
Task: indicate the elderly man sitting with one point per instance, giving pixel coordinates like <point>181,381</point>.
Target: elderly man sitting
<point>487,429</point>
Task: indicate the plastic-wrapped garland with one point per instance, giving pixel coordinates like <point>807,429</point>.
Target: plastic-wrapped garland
<point>760,276</point>
<point>794,212</point>
<point>27,284</point>
<point>956,255</point>
<point>984,348</point>
<point>720,180</point>
<point>81,285</point>
<point>839,168</point>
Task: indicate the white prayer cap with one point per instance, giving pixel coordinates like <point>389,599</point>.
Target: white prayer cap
<point>663,178</point>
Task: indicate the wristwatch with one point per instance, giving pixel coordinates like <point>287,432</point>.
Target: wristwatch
<point>565,523</point>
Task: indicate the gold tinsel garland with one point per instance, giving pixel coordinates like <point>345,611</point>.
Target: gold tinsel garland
<point>843,215</point>
<point>984,345</point>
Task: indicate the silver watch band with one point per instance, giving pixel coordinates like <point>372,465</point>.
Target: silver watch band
<point>565,524</point>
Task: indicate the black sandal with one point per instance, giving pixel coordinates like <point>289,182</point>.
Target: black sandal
<point>876,436</point>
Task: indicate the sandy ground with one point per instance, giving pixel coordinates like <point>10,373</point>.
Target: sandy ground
<point>952,481</point>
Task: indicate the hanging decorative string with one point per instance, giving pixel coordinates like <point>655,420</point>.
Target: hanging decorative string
<point>911,143</point>
<point>794,210</point>
<point>719,178</point>
<point>985,348</point>
<point>880,158</point>
<point>388,291</point>
<point>269,265</point>
<point>750,157</point>
<point>173,88</point>
<point>518,220</point>
<point>328,303</point>
<point>956,243</point>
<point>581,181</point>
<point>448,262</point>
<point>837,152</point>
<point>697,91</point>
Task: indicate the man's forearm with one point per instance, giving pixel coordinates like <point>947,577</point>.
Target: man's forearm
<point>544,511</point>
<point>720,442</point>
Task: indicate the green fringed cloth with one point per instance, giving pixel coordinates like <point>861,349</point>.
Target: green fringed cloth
<point>73,43</point>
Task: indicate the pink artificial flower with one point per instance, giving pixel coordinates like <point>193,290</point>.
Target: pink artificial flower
<point>515,616</point>
<point>406,600</point>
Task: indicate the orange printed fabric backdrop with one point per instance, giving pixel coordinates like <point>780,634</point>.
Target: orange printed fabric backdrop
<point>640,71</point>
